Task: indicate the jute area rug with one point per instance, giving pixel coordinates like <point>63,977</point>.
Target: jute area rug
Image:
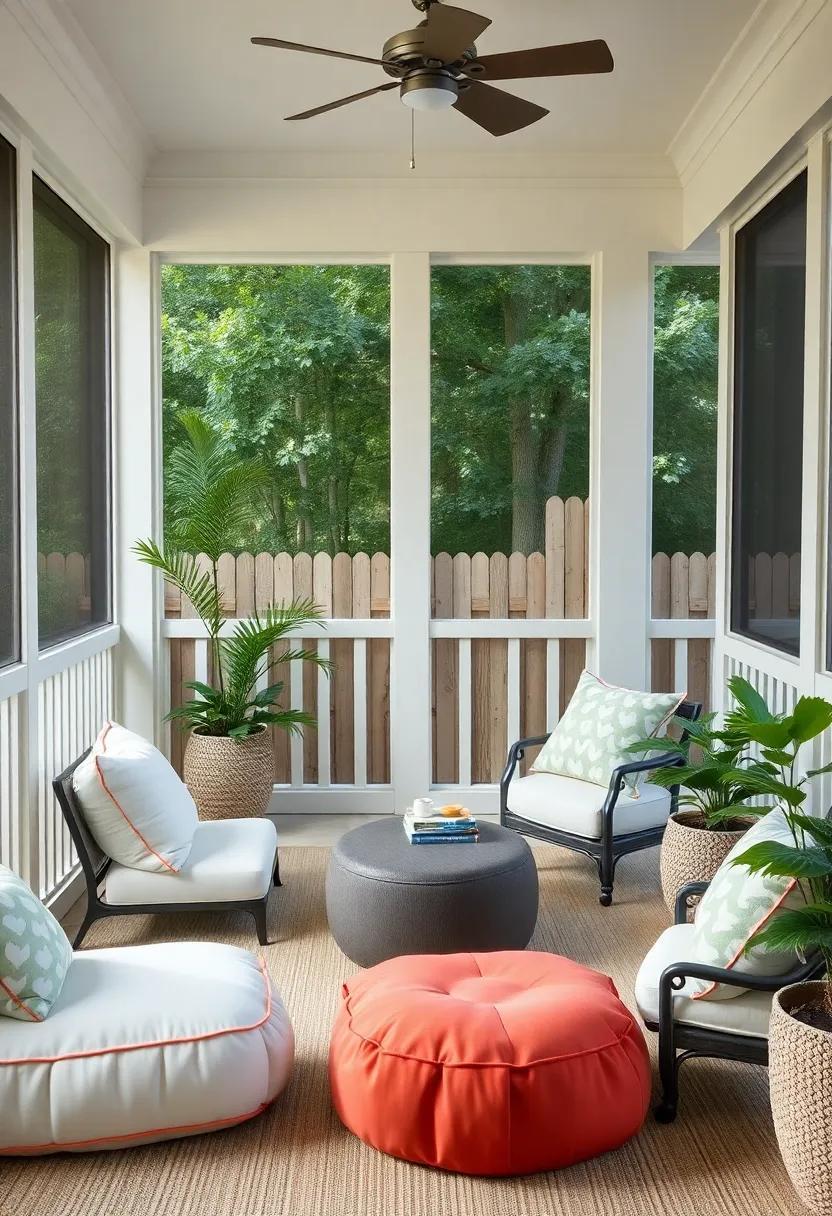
<point>720,1157</point>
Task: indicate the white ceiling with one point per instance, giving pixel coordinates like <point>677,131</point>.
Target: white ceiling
<point>195,83</point>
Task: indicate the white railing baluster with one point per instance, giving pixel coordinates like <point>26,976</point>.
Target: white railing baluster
<point>552,683</point>
<point>296,744</point>
<point>323,718</point>
<point>201,660</point>
<point>359,667</point>
<point>680,665</point>
<point>464,724</point>
<point>513,692</point>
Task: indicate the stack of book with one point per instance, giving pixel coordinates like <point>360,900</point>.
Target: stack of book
<point>441,828</point>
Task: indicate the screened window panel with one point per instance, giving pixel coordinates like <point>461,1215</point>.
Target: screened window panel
<point>768,421</point>
<point>9,564</point>
<point>73,420</point>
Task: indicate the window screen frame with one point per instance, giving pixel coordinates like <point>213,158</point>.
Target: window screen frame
<point>99,358</point>
<point>738,575</point>
<point>10,176</point>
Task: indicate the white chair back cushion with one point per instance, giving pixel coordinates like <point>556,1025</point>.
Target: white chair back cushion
<point>598,726</point>
<point>738,903</point>
<point>139,811</point>
<point>145,1043</point>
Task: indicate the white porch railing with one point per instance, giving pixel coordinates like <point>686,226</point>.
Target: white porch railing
<point>50,712</point>
<point>501,711</point>
<point>681,632</point>
<point>375,797</point>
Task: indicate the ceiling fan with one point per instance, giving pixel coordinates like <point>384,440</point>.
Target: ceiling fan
<point>436,67</point>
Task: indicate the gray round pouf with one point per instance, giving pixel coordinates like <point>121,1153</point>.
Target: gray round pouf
<point>386,897</point>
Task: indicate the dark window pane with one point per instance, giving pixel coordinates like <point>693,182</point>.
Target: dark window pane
<point>768,421</point>
<point>72,386</point>
<point>9,633</point>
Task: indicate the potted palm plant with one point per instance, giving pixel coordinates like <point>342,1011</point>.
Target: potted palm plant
<point>212,502</point>
<point>800,1033</point>
<point>716,779</point>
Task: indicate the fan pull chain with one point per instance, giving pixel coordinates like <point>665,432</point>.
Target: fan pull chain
<point>412,139</point>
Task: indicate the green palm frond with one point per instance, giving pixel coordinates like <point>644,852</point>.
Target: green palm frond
<point>214,495</point>
<point>183,572</point>
<point>214,500</point>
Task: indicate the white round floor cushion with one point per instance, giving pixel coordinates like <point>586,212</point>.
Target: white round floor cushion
<point>137,808</point>
<point>144,1043</point>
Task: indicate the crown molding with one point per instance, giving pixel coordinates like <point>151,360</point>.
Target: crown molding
<point>52,28</point>
<point>498,169</point>
<point>766,39</point>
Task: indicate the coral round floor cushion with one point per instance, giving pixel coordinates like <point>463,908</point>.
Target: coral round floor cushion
<point>137,808</point>
<point>144,1043</point>
<point>504,1063</point>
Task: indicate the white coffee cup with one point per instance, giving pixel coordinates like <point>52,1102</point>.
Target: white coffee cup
<point>423,806</point>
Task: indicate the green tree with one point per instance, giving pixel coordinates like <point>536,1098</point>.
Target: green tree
<point>291,364</point>
<point>686,348</point>
<point>510,401</point>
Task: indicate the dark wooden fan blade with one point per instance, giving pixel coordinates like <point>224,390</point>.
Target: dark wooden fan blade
<point>497,112</point>
<point>345,101</point>
<point>314,50</point>
<point>570,59</point>
<point>449,32</point>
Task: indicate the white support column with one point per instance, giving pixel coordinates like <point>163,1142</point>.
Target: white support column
<point>723,462</point>
<point>138,591</point>
<point>410,693</point>
<point>28,741</point>
<point>621,465</point>
<point>813,566</point>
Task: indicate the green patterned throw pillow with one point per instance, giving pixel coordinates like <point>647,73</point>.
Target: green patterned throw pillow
<point>34,952</point>
<point>736,904</point>
<point>600,723</point>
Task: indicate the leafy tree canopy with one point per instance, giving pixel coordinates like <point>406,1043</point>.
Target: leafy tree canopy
<point>291,363</point>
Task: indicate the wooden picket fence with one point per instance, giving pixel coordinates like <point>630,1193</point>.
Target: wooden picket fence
<point>551,586</point>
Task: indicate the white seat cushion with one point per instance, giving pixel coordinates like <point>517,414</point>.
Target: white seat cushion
<point>747,1014</point>
<point>575,806</point>
<point>144,1043</point>
<point>230,859</point>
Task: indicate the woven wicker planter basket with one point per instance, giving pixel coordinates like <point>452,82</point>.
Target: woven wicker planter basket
<point>229,779</point>
<point>692,854</point>
<point>800,1079</point>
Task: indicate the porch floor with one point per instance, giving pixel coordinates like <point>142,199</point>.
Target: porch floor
<point>719,1159</point>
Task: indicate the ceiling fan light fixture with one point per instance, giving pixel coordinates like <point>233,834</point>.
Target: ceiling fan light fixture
<point>429,90</point>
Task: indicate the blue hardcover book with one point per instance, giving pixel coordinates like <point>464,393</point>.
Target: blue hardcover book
<point>444,838</point>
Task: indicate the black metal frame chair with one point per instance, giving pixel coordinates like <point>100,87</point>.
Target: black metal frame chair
<point>679,1041</point>
<point>607,851</point>
<point>95,864</point>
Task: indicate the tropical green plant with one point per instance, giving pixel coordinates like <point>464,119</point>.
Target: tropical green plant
<point>214,503</point>
<point>805,929</point>
<point>714,770</point>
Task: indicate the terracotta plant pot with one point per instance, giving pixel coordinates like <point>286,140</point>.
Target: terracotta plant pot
<point>692,852</point>
<point>229,779</point>
<point>800,1079</point>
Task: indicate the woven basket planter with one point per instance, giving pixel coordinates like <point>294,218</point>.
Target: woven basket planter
<point>692,854</point>
<point>800,1079</point>
<point>229,779</point>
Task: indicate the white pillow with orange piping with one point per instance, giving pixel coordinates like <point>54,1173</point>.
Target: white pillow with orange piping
<point>136,807</point>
